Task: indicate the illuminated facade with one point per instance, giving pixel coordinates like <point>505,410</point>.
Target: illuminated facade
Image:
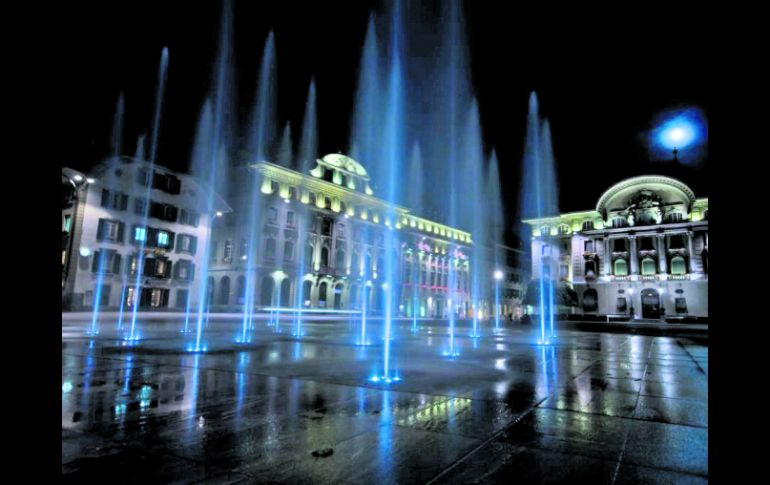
<point>104,229</point>
<point>644,248</point>
<point>325,230</point>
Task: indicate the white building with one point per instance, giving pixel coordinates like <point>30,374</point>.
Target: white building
<point>644,248</point>
<point>104,228</point>
<point>325,230</point>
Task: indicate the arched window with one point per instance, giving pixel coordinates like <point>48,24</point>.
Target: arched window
<point>285,292</point>
<point>678,265</point>
<point>588,225</point>
<point>355,262</point>
<point>620,267</point>
<point>563,229</point>
<point>339,262</point>
<point>224,291</point>
<point>309,256</point>
<point>338,296</point>
<point>324,257</point>
<point>266,292</point>
<point>648,267</point>
<point>288,250</point>
<point>322,289</point>
<point>241,289</point>
<point>270,248</point>
<point>307,288</point>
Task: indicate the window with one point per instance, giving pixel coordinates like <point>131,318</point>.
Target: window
<point>110,230</point>
<point>676,242</point>
<point>326,227</point>
<point>140,234</point>
<point>272,215</point>
<point>158,298</point>
<point>619,222</point>
<point>188,217</point>
<point>270,248</point>
<point>588,225</point>
<point>114,200</point>
<point>545,231</point>
<point>143,177</point>
<point>227,255</point>
<point>590,300</point>
<point>678,265</point>
<point>645,244</point>
<point>163,239</point>
<point>340,259</point>
<point>167,183</point>
<point>290,219</point>
<point>648,267</point>
<point>165,212</point>
<point>309,256</point>
<point>106,261</point>
<point>619,245</point>
<point>590,269</point>
<point>288,251</point>
<point>67,224</point>
<point>675,217</point>
<point>589,246</point>
<point>621,267</point>
<point>140,206</point>
<point>181,298</point>
<point>324,257</point>
<point>186,244</point>
<point>563,229</point>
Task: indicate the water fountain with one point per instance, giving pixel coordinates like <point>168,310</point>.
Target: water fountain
<point>132,335</point>
<point>494,227</point>
<point>307,152</point>
<point>261,136</point>
<point>210,156</point>
<point>539,199</point>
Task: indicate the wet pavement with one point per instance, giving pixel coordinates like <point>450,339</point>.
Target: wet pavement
<point>593,407</point>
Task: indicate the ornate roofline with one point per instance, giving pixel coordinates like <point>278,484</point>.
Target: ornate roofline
<point>641,180</point>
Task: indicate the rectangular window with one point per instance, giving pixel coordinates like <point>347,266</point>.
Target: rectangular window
<point>228,251</point>
<point>290,218</point>
<point>188,217</point>
<point>67,225</point>
<point>140,206</point>
<point>272,215</point>
<point>163,239</point>
<point>619,245</point>
<point>589,246</point>
<point>106,199</point>
<point>140,234</point>
<point>181,298</point>
<point>111,230</point>
<point>184,243</point>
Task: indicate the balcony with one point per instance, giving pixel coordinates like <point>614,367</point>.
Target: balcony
<point>621,278</point>
<point>679,276</point>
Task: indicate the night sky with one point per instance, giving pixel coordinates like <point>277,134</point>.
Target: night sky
<point>600,83</point>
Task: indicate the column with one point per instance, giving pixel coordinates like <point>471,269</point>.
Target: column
<point>633,256</point>
<point>691,253</point>
<point>607,257</point>
<point>662,253</point>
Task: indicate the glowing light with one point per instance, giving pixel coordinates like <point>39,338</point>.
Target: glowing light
<point>66,387</point>
<point>219,214</point>
<point>498,275</point>
<point>78,178</point>
<point>91,180</point>
<point>85,252</point>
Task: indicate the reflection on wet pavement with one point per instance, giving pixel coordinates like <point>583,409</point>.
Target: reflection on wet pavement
<point>596,407</point>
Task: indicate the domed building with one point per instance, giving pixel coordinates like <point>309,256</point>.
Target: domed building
<point>317,240</point>
<point>644,249</point>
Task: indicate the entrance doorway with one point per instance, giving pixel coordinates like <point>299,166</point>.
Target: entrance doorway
<point>650,303</point>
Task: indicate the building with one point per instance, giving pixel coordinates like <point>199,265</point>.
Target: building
<point>326,232</point>
<point>644,248</point>
<point>124,213</point>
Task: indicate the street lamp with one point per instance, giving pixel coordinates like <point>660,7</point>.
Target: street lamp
<point>498,277</point>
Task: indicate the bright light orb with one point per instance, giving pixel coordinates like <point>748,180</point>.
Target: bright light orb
<point>680,129</point>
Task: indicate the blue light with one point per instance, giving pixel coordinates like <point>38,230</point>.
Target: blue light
<point>683,129</point>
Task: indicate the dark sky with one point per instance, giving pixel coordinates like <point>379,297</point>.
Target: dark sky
<point>600,81</point>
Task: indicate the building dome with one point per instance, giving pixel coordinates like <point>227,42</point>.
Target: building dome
<point>646,189</point>
<point>345,164</point>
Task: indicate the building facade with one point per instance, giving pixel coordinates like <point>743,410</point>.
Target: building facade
<point>643,250</point>
<point>124,208</point>
<point>320,243</point>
